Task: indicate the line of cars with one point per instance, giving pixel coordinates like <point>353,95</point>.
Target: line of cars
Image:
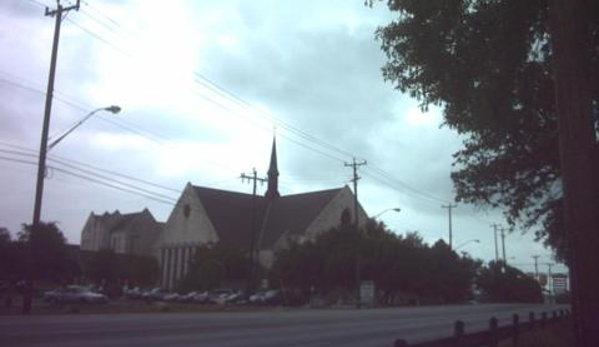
<point>215,296</point>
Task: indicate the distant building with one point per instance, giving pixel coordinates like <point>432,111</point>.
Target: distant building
<point>130,233</point>
<point>204,215</point>
<point>560,283</point>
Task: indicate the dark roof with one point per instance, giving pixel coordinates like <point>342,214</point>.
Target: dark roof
<point>231,213</point>
<point>125,221</point>
<point>117,220</point>
<point>294,214</point>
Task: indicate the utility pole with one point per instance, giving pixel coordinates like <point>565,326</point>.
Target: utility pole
<point>449,208</point>
<point>495,226</point>
<point>503,245</point>
<point>354,165</point>
<point>536,258</point>
<point>41,167</point>
<point>550,278</point>
<point>255,179</point>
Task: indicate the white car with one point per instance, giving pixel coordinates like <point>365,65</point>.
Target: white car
<point>74,294</point>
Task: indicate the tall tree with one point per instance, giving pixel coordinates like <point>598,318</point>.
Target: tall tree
<point>488,64</point>
<point>493,65</point>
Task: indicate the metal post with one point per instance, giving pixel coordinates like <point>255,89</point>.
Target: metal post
<point>493,327</point>
<point>515,328</point>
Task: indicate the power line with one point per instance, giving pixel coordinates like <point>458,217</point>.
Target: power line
<point>381,175</point>
<point>77,165</point>
<point>134,190</point>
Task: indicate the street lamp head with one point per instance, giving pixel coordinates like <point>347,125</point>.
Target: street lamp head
<point>465,243</point>
<point>395,209</point>
<point>114,109</point>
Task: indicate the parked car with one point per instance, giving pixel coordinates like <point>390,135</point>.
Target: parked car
<point>194,296</point>
<point>200,298</point>
<point>74,294</point>
<point>238,298</point>
<point>133,293</point>
<point>217,296</point>
<point>186,297</point>
<point>154,294</point>
<point>266,297</point>
<point>170,297</point>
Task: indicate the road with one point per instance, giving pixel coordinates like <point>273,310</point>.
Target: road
<point>277,327</point>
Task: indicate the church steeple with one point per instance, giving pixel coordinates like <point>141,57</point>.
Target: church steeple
<point>273,174</point>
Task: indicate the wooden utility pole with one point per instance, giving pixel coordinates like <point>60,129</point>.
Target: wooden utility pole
<point>570,39</point>
<point>255,179</point>
<point>503,245</point>
<point>58,13</point>
<point>536,258</point>
<point>354,165</point>
<point>449,208</point>
<point>495,226</point>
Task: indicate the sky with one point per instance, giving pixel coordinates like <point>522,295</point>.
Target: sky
<point>203,88</point>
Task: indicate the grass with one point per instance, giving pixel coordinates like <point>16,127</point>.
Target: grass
<point>559,334</point>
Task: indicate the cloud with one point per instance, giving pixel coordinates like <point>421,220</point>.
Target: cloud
<point>310,70</point>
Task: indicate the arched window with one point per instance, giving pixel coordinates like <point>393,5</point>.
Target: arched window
<point>345,217</point>
<point>186,210</point>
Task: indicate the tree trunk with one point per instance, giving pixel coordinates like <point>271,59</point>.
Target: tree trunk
<point>578,159</point>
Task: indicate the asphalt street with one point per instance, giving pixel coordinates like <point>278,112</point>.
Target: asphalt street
<point>276,327</point>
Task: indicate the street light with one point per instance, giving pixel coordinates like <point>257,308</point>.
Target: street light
<point>41,170</point>
<point>113,109</point>
<point>465,243</point>
<point>396,209</point>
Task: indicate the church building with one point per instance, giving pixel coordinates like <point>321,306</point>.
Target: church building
<point>205,215</point>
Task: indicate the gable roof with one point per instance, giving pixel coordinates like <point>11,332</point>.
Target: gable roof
<point>231,213</point>
<point>294,214</point>
<point>115,221</point>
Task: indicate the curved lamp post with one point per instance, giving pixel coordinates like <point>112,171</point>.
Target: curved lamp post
<point>465,243</point>
<point>41,167</point>
<point>113,109</point>
<point>396,209</point>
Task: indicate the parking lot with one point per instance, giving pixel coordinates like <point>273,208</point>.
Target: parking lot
<point>61,301</point>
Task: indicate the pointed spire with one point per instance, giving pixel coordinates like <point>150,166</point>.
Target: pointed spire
<point>273,173</point>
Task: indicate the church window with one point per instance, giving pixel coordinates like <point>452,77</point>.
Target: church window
<point>345,217</point>
<point>186,210</point>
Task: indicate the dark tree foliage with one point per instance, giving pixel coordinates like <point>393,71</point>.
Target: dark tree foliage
<point>215,265</point>
<point>103,267</point>
<point>45,251</point>
<point>140,270</point>
<point>502,283</point>
<point>487,63</point>
<point>400,266</point>
<point>7,255</point>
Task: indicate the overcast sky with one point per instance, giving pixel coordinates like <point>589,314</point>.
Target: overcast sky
<point>202,87</point>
